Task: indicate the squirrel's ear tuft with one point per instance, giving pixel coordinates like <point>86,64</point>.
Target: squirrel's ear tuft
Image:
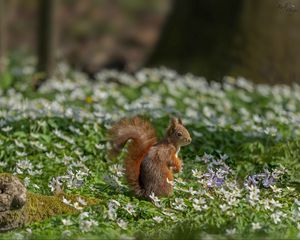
<point>179,120</point>
<point>174,121</point>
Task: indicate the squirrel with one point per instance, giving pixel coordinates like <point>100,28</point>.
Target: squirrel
<point>149,164</point>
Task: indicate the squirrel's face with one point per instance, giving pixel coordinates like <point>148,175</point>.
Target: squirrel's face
<point>178,133</point>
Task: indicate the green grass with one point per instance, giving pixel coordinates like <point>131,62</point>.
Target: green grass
<point>238,130</point>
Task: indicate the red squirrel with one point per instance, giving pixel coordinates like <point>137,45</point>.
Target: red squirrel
<point>149,164</point>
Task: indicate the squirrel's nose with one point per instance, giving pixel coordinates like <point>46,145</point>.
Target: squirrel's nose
<point>189,140</point>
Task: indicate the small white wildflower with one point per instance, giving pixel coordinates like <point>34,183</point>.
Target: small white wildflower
<point>100,146</point>
<point>266,204</point>
<point>66,233</point>
<point>122,224</point>
<point>26,181</point>
<point>66,201</point>
<point>81,201</point>
<point>276,189</point>
<point>197,207</point>
<point>256,226</point>
<point>36,186</point>
<point>114,203</point>
<point>180,181</point>
<point>179,204</point>
<point>19,236</point>
<point>86,225</point>
<point>19,144</point>
<point>196,173</point>
<point>67,222</point>
<point>271,131</point>
<point>77,206</point>
<point>224,207</point>
<point>276,217</point>
<point>129,208</point>
<point>158,219</point>
<point>59,146</point>
<point>112,214</point>
<point>117,169</point>
<point>276,203</point>
<point>50,155</point>
<point>21,154</point>
<point>3,164</point>
<point>230,231</point>
<point>84,215</point>
<point>7,129</point>
<point>155,199</point>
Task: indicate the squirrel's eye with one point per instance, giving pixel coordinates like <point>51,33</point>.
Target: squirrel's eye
<point>179,134</point>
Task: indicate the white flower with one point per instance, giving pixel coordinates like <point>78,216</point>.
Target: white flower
<point>77,206</point>
<point>67,222</point>
<point>84,215</point>
<point>224,207</point>
<point>66,233</point>
<point>50,155</point>
<point>114,204</point>
<point>7,129</point>
<point>3,164</point>
<point>276,217</point>
<point>21,154</point>
<point>130,208</point>
<point>197,207</point>
<point>276,189</point>
<point>112,214</point>
<point>180,181</point>
<point>158,219</point>
<point>59,146</point>
<point>86,225</point>
<point>19,236</point>
<point>266,204</point>
<point>66,201</point>
<point>117,169</point>
<point>122,224</point>
<point>19,144</point>
<point>179,204</point>
<point>271,131</point>
<point>256,226</point>
<point>155,199</point>
<point>100,146</point>
<point>81,201</point>
<point>276,203</point>
<point>253,194</point>
<point>230,231</point>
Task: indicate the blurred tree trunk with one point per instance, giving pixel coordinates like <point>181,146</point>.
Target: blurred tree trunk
<point>268,49</point>
<point>258,39</point>
<point>47,37</point>
<point>2,35</point>
<point>198,37</point>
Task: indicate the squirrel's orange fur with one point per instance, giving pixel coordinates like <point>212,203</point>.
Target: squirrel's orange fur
<point>149,165</point>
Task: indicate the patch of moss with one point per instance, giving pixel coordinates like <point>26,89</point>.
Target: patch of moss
<point>40,207</point>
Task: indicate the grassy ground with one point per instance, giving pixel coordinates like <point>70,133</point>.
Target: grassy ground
<point>241,172</point>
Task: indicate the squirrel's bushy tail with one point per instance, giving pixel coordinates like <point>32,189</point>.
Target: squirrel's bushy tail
<point>142,136</point>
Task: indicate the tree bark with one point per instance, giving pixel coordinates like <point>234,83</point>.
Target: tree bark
<point>257,39</point>
<point>269,36</point>
<point>2,35</point>
<point>47,38</point>
<point>198,37</point>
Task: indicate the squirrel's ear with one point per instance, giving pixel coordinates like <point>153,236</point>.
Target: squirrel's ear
<point>174,121</point>
<point>179,120</point>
